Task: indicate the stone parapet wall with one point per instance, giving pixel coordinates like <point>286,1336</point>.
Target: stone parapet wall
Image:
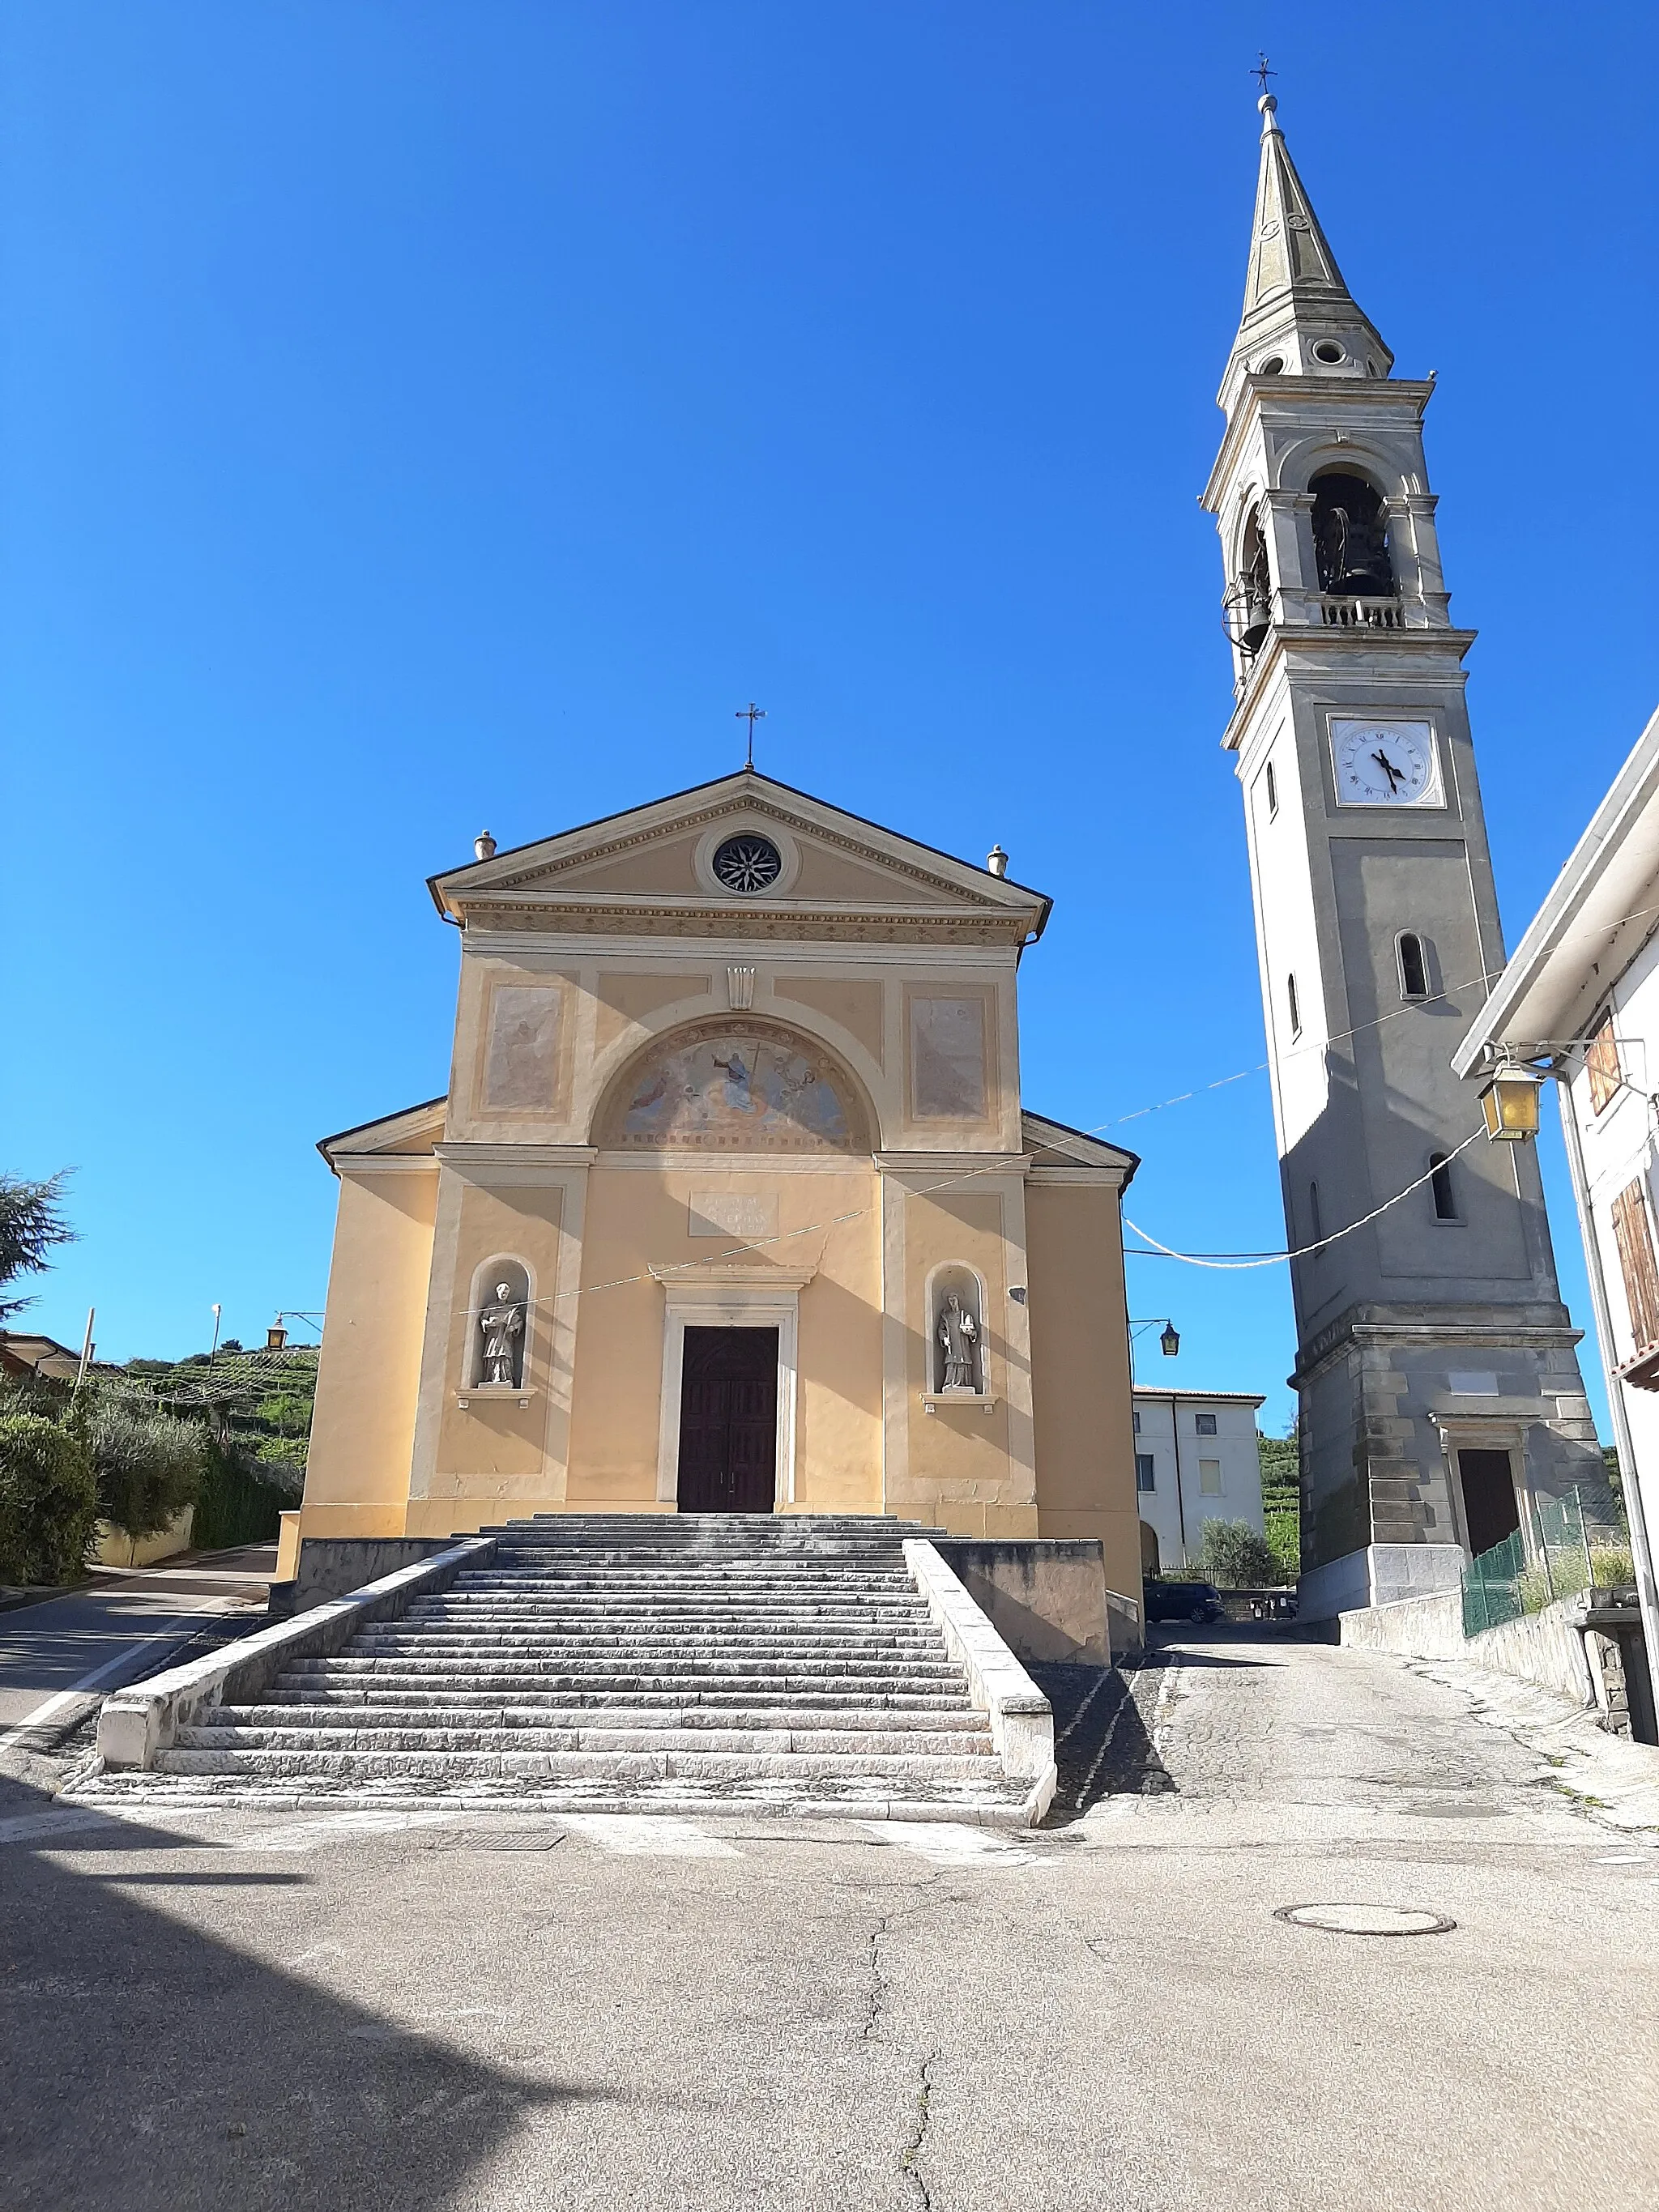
<point>1547,1648</point>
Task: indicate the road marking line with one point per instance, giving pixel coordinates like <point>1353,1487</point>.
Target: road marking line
<point>306,1835</point>
<point>1165,1692</point>
<point>647,1835</point>
<point>60,1699</point>
<point>953,1843</point>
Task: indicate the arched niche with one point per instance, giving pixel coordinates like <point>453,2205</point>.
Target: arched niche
<point>501,1286</point>
<point>1254,590</point>
<point>734,1083</point>
<point>956,1345</point>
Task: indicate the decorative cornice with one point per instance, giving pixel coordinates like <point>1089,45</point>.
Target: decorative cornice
<point>762,925</point>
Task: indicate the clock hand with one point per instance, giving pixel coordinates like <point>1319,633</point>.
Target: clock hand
<point>1395,777</point>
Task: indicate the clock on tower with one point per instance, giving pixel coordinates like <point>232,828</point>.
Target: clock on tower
<point>1436,1373</point>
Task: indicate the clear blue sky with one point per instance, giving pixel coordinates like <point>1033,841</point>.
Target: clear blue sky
<point>420,417</point>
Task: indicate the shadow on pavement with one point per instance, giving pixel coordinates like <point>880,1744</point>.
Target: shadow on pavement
<point>1102,1747</point>
<point>154,2063</point>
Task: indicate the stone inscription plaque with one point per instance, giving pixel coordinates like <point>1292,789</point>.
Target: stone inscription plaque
<point>733,1214</point>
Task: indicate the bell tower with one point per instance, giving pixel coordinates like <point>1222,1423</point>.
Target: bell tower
<point>1435,1373</point>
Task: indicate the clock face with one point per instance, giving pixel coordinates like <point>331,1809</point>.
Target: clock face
<point>1384,764</point>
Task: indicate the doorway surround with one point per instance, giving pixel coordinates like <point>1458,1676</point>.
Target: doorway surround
<point>1487,1432</point>
<point>732,1295</point>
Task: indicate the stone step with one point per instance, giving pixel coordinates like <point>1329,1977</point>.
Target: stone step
<point>454,1767</point>
<point>583,1697</point>
<point>824,1635</point>
<point>986,1802</point>
<point>659,1714</point>
<point>605,1672</point>
<point>773,1742</point>
<point>669,1613</point>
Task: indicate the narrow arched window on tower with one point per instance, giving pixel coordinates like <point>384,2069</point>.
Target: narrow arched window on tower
<point>1440,1183</point>
<point>1313,1223</point>
<point>1351,539</point>
<point>1273,790</point>
<point>1413,966</point>
<point>1255,588</point>
<point>1295,1005</point>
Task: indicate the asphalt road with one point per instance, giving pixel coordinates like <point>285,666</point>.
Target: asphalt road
<point>378,2010</point>
<point>118,1628</point>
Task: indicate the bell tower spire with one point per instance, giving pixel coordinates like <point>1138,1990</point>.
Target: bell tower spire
<point>1299,319</point>
<point>1438,1387</point>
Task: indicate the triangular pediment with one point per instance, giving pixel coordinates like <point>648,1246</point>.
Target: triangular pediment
<point>663,858</point>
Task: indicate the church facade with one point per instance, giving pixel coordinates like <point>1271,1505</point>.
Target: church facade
<point>732,1203</point>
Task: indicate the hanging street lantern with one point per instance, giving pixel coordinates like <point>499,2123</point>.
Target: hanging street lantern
<point>1171,1339</point>
<point>1510,1103</point>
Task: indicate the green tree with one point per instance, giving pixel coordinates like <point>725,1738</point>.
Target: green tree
<point>1238,1556</point>
<point>149,1464</point>
<point>30,1227</point>
<point>48,1498</point>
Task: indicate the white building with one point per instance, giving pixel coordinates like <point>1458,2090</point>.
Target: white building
<point>1195,1461</point>
<point>1580,999</point>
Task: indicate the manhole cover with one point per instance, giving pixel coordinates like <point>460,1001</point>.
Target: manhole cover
<point>1366,1919</point>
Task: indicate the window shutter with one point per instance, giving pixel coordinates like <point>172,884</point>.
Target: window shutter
<point>1636,1264</point>
<point>1602,1062</point>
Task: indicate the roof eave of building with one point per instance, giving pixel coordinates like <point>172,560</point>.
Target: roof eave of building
<point>1538,1003</point>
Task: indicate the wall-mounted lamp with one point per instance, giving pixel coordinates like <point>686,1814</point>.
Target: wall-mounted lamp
<point>1510,1103</point>
<point>1169,1342</point>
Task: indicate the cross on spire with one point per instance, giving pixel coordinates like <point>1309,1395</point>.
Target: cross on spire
<point>751,713</point>
<point>1261,72</point>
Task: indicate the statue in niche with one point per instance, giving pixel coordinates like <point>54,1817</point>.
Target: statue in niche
<point>958,1334</point>
<point>503,1324</point>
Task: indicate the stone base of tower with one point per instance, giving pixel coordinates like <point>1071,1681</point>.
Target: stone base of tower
<point>1380,1574</point>
<point>1428,1434</point>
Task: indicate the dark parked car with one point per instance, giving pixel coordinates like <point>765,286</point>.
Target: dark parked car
<point>1198,1601</point>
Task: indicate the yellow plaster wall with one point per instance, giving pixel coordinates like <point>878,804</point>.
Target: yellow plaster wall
<point>1080,1390</point>
<point>852,1001</point>
<point>493,1449</point>
<point>660,863</point>
<point>367,1377</point>
<point>960,1473</point>
<point>636,1217</point>
<point>629,998</point>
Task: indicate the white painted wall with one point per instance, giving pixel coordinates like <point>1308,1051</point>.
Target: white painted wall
<point>1619,1145</point>
<point>1167,1432</point>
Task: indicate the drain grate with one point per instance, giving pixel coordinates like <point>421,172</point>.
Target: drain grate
<point>1366,1919</point>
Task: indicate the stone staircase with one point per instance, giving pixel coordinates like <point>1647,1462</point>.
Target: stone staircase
<point>620,1662</point>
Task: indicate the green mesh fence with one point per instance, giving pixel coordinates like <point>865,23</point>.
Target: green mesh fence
<point>1580,1542</point>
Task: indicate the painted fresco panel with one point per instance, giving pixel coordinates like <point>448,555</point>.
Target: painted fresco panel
<point>947,1059</point>
<point>521,1061</point>
<point>728,1088</point>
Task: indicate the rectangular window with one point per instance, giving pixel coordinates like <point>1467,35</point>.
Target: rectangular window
<point>1602,1062</point>
<point>1204,1424</point>
<point>1134,1420</point>
<point>1634,1238</point>
<point>1144,1476</point>
<point>1209,1477</point>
